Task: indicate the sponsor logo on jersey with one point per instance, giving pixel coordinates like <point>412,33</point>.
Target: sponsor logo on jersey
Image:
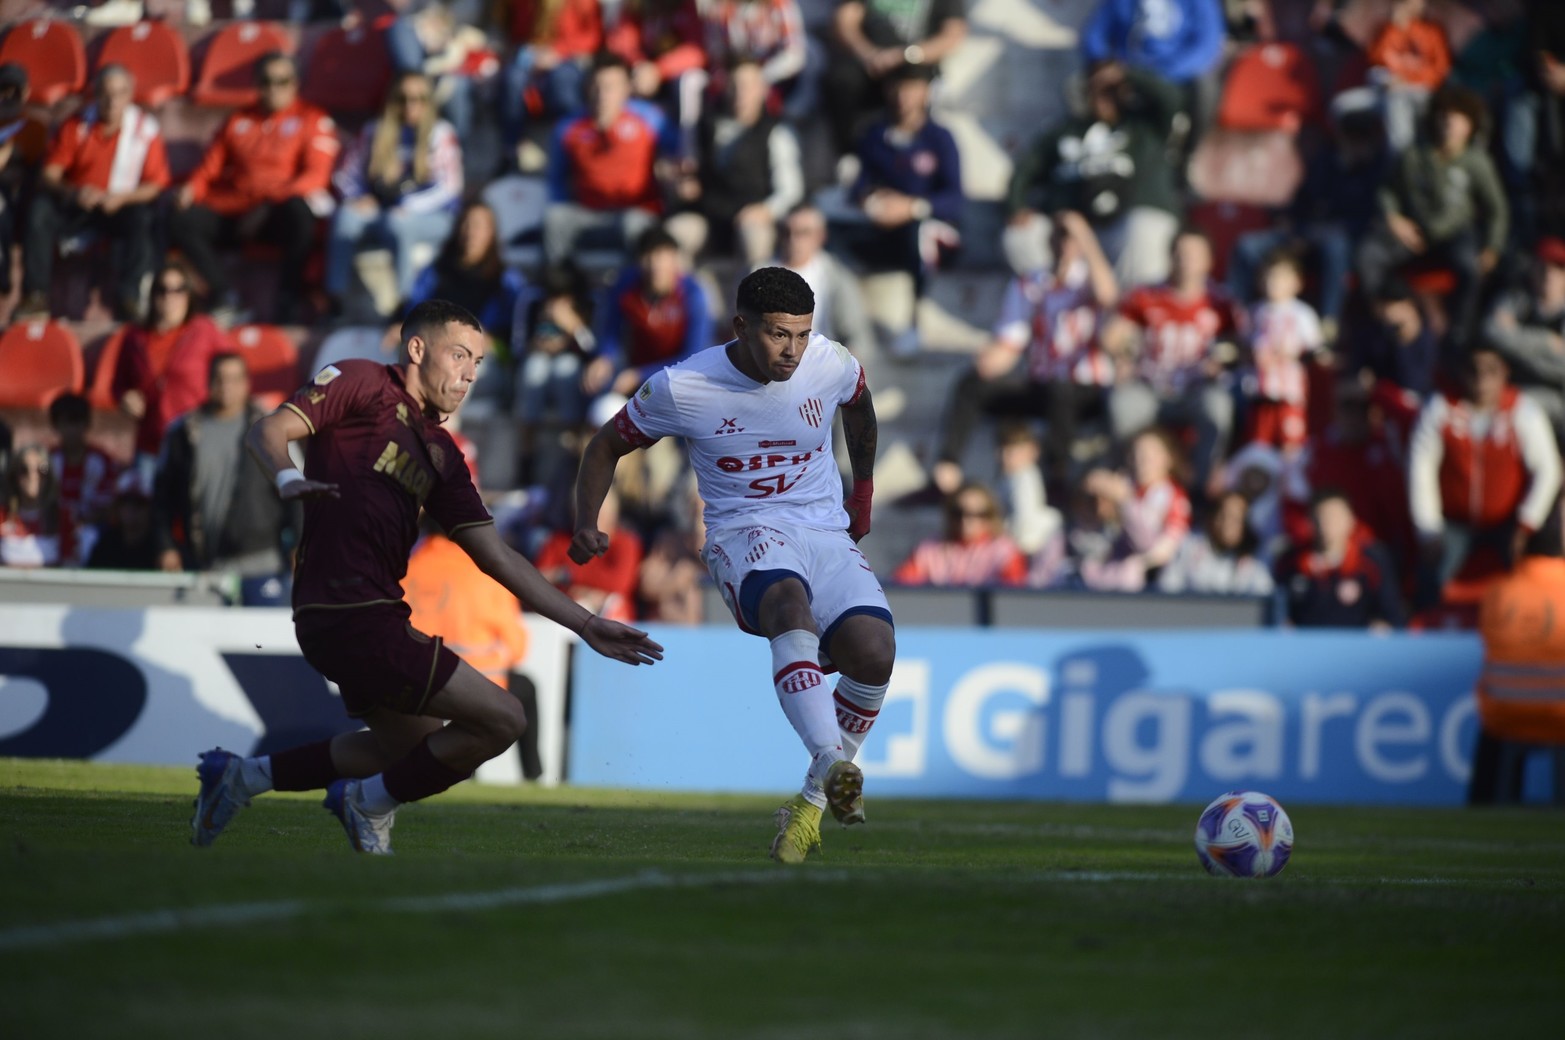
<point>437,455</point>
<point>398,464</point>
<point>812,411</point>
<point>728,426</point>
<point>327,374</point>
<point>778,444</point>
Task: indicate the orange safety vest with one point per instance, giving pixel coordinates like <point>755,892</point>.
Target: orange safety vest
<point>480,621</point>
<point>1521,690</point>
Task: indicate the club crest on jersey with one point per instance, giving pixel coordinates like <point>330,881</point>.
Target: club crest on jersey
<point>646,392</point>
<point>728,426</point>
<point>327,374</point>
<point>812,411</point>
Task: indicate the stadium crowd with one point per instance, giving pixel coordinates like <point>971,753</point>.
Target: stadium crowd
<point>1351,400</point>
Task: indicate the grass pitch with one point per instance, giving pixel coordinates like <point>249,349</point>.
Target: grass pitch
<point>571,913</point>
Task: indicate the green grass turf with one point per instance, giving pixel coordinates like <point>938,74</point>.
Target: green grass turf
<point>938,919</point>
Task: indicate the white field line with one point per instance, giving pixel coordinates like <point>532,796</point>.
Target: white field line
<point>169,921</point>
<point>163,922</point>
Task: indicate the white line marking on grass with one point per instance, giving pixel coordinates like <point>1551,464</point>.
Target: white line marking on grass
<point>162,922</point>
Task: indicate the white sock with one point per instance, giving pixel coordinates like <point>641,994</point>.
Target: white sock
<point>857,707</point>
<point>373,798</point>
<point>806,700</point>
<point>256,774</point>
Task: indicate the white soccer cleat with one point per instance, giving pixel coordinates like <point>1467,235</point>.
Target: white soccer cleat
<point>367,831</point>
<point>220,798</point>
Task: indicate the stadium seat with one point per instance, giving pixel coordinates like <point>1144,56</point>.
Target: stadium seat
<point>1223,223</point>
<point>273,359</point>
<point>349,70</point>
<point>227,76</point>
<point>1273,86</point>
<point>52,53</point>
<point>1257,169</point>
<point>100,390</point>
<point>155,54</point>
<point>39,360</point>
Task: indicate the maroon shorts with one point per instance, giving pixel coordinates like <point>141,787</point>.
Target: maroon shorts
<point>376,658</point>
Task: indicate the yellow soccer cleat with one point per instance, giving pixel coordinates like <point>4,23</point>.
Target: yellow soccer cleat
<point>798,830</point>
<point>844,786</point>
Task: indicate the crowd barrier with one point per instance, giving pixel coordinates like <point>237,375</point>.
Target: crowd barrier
<point>1118,716</point>
<point>1111,715</point>
<point>159,685</point>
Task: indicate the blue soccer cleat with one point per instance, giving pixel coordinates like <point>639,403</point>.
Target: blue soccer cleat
<point>367,832</point>
<point>221,796</point>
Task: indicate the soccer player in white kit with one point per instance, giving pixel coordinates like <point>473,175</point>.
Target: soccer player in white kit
<point>756,414</point>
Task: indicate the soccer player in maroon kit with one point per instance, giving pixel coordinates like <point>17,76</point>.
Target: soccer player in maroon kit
<point>377,454</point>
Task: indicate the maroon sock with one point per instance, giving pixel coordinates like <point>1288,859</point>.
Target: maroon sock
<point>306,768</point>
<point>420,775</point>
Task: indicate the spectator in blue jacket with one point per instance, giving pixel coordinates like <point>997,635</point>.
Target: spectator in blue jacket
<point>1180,40</point>
<point>656,315</point>
<point>910,184</point>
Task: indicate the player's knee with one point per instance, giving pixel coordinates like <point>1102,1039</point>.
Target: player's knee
<point>872,662</point>
<point>507,723</point>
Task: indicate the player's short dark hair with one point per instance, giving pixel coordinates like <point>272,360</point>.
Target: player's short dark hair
<point>69,407</point>
<point>775,290</point>
<point>431,316</point>
<point>1329,493</point>
<point>221,357</point>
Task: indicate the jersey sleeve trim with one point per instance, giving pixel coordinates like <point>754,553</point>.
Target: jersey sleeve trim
<point>296,410</point>
<point>858,389</point>
<point>471,523</point>
<point>626,427</point>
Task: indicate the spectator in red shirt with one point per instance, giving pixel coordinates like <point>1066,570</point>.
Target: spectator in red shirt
<point>661,39</point>
<point>657,315</point>
<point>975,550</point>
<point>267,176</point>
<point>1343,578</point>
<point>103,172</point>
<point>1411,58</point>
<point>163,364</point>
<point>606,584</point>
<point>601,169</point>
<point>1483,472</point>
<point>1175,375</point>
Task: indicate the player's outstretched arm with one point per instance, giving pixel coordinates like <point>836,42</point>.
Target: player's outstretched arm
<point>861,434</point>
<point>508,567</point>
<point>268,441</point>
<point>593,481</point>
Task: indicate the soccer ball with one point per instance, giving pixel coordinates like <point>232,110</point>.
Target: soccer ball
<point>1244,834</point>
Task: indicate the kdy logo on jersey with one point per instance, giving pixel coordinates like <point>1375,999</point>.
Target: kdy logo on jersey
<point>729,426</point>
<point>812,411</point>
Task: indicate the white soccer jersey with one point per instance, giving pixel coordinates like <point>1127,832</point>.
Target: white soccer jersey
<point>758,449</point>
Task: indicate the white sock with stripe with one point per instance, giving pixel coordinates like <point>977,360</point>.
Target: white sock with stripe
<point>807,702</point>
<point>858,706</point>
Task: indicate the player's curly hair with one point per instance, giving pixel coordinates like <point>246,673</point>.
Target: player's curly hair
<point>431,316</point>
<point>775,290</point>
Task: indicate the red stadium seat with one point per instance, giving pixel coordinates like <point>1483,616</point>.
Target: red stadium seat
<point>100,390</point>
<point>273,360</point>
<point>53,55</point>
<point>1258,169</point>
<point>39,360</point>
<point>227,77</point>
<point>349,71</point>
<point>1270,87</point>
<point>154,53</point>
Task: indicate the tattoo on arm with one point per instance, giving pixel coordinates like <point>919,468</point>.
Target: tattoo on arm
<point>861,433</point>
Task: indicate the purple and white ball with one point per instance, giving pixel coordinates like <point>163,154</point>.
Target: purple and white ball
<point>1244,834</point>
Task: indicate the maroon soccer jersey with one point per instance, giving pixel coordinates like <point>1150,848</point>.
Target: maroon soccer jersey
<point>387,459</point>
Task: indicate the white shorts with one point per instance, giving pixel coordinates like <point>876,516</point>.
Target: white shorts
<point>747,559</point>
